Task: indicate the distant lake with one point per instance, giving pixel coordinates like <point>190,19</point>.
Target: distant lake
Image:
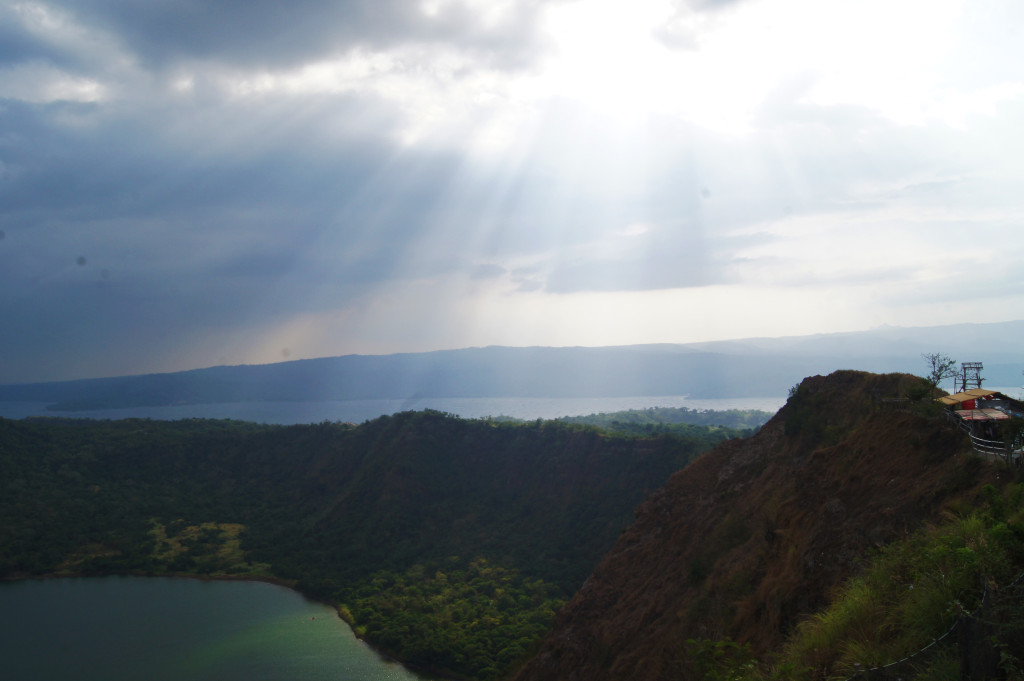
<point>132,628</point>
<point>357,411</point>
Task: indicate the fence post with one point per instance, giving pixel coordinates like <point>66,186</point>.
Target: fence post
<point>979,658</point>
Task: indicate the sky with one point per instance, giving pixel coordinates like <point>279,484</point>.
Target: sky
<point>187,183</point>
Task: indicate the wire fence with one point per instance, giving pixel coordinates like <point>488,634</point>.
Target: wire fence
<point>970,643</point>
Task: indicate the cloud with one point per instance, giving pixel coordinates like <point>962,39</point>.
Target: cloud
<point>265,33</point>
<point>672,255</point>
<point>488,271</point>
<point>18,45</point>
<point>682,29</point>
<point>230,170</point>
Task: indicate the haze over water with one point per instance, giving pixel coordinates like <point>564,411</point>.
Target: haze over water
<point>357,411</point>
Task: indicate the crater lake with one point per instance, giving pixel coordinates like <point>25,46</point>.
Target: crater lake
<point>167,629</point>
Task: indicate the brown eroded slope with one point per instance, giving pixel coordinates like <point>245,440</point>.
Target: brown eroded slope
<point>753,535</point>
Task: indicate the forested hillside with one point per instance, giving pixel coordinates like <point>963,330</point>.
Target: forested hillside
<point>448,542</point>
<point>676,420</point>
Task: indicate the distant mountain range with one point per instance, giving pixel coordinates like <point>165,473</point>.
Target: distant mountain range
<point>750,367</point>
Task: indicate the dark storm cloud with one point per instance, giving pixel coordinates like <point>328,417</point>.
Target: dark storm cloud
<point>75,323</point>
<point>352,212</point>
<point>122,232</point>
<point>218,210</point>
<point>274,33</point>
<point>18,45</point>
<point>219,229</point>
<point>125,166</point>
<point>30,36</point>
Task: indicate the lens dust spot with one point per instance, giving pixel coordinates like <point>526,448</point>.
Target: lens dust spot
<point>81,261</point>
<point>286,352</point>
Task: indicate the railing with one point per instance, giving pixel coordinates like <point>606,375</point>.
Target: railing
<point>994,448</point>
<point>990,447</point>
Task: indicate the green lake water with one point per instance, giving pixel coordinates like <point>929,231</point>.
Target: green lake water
<point>133,628</point>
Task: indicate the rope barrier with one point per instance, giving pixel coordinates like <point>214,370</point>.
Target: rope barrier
<point>886,668</point>
<point>981,446</point>
<point>883,668</point>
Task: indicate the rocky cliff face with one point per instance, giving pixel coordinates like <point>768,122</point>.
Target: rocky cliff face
<point>752,536</point>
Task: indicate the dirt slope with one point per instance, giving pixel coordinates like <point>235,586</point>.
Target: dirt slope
<point>753,536</point>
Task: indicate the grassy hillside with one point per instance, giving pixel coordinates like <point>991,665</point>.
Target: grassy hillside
<point>943,601</point>
<point>732,569</point>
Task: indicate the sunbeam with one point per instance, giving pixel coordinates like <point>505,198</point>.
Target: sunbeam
<point>322,180</point>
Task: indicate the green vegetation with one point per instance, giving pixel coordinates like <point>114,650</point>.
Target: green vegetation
<point>718,660</point>
<point>966,573</point>
<point>914,591</point>
<point>728,534</point>
<point>368,516</point>
<point>677,421</point>
<point>204,549</point>
<point>475,620</point>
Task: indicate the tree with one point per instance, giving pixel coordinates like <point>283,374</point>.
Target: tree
<point>940,367</point>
